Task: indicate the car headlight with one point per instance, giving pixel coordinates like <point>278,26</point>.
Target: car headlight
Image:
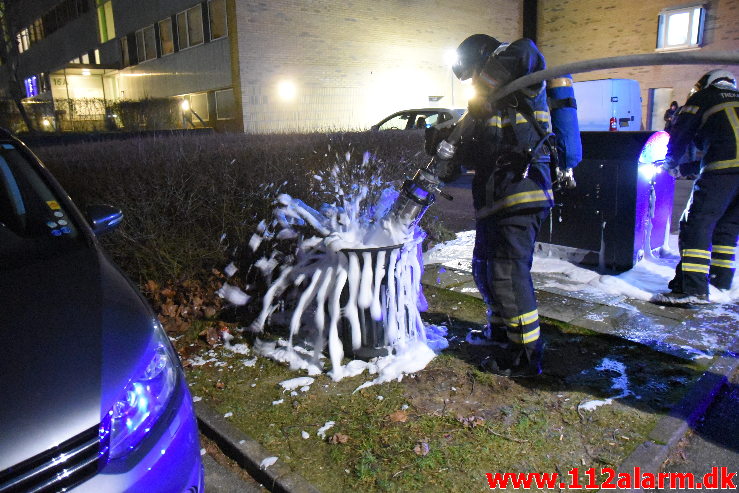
<point>142,401</point>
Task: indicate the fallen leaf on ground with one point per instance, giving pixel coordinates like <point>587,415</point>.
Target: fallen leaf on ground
<point>338,438</point>
<point>211,335</point>
<point>398,417</point>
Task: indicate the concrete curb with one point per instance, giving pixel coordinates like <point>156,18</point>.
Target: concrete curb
<point>664,437</point>
<point>249,454</point>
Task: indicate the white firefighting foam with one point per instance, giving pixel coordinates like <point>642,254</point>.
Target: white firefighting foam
<point>358,259</point>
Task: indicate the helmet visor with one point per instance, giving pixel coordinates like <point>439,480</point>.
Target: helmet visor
<point>462,70</point>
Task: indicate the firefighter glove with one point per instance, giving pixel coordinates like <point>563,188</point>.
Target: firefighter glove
<point>690,170</point>
<point>567,179</point>
<point>670,166</point>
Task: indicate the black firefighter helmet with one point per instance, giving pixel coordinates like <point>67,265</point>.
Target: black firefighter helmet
<point>472,53</point>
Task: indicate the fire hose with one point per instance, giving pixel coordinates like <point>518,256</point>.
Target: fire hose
<point>417,194</point>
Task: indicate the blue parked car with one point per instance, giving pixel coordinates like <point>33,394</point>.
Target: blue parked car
<point>92,394</point>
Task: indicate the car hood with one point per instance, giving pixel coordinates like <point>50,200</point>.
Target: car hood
<point>73,330</point>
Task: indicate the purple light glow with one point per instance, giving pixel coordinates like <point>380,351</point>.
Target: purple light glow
<point>141,403</point>
<point>655,149</point>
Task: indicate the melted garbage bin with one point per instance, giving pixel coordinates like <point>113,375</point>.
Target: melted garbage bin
<point>374,341</point>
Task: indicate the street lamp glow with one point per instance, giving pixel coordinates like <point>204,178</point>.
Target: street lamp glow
<point>286,90</point>
<point>185,105</point>
<point>450,58</point>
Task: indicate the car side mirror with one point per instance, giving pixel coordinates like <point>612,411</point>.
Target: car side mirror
<point>103,218</point>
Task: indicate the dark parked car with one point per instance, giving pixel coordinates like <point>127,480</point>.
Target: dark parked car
<point>92,395</point>
<point>420,118</point>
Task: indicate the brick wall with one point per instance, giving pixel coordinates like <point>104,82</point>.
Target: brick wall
<point>575,30</point>
<point>355,61</point>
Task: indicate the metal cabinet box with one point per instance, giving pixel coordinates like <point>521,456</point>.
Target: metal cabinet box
<point>606,221</point>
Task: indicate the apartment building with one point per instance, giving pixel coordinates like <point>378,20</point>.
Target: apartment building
<point>256,66</point>
<point>575,30</point>
<point>285,65</point>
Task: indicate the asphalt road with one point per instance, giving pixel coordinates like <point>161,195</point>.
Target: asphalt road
<point>457,215</point>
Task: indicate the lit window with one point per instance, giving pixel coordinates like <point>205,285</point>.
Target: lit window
<point>199,106</point>
<point>85,59</point>
<point>140,52</point>
<point>681,27</point>
<point>97,56</point>
<point>182,30</point>
<point>217,16</point>
<point>38,26</point>
<point>165,36</point>
<point>150,42</point>
<point>195,25</point>
<point>225,104</point>
<point>23,40</point>
<point>190,27</point>
<point>146,47</point>
<point>105,20</point>
<point>31,86</point>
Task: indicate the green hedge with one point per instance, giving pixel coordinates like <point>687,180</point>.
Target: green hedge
<point>182,194</point>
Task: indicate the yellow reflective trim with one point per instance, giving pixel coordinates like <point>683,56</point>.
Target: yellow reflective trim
<point>523,319</point>
<point>727,264</point>
<point>695,268</point>
<point>730,110</point>
<point>494,122</point>
<point>731,163</point>
<point>542,116</point>
<point>530,336</point>
<point>724,249</point>
<point>719,108</point>
<point>524,197</point>
<point>689,109</point>
<point>524,338</point>
<point>696,253</point>
<point>516,199</point>
<point>497,121</point>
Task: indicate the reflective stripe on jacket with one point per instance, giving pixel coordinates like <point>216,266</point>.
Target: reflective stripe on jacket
<point>710,118</point>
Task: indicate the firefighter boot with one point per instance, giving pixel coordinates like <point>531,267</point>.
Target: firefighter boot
<point>521,360</point>
<point>495,330</point>
<point>677,298</point>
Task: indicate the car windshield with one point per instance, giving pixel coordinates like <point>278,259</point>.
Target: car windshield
<point>33,223</point>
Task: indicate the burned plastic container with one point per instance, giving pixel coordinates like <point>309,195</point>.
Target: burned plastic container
<point>373,332</point>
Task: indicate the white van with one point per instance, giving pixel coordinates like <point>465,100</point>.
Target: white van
<point>608,104</point>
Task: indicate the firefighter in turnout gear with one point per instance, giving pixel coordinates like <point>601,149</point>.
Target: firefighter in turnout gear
<point>710,223</point>
<point>509,147</point>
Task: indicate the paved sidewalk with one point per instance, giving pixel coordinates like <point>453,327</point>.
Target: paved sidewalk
<point>693,334</point>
